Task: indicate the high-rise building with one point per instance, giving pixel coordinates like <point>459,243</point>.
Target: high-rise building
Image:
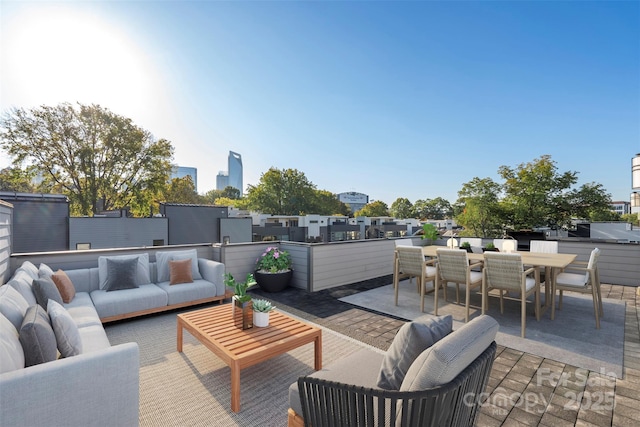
<point>233,177</point>
<point>182,171</point>
<point>235,171</point>
<point>635,184</point>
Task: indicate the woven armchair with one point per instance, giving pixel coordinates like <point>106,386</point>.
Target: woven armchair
<point>409,260</point>
<point>453,266</point>
<point>333,404</point>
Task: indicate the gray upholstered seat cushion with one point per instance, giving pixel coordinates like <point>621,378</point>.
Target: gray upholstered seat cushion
<point>443,362</point>
<point>411,340</point>
<point>12,305</point>
<point>360,368</point>
<point>184,292</point>
<point>82,310</point>
<point>93,338</point>
<point>11,353</point>
<point>126,301</point>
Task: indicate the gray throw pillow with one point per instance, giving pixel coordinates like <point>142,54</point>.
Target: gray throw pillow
<point>44,270</point>
<point>22,283</point>
<point>444,361</point>
<point>37,337</point>
<point>44,290</point>
<point>143,275</point>
<point>65,329</point>
<point>411,340</point>
<point>12,305</point>
<point>121,274</point>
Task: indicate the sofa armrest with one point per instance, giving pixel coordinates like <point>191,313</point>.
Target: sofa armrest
<point>99,388</point>
<point>213,271</point>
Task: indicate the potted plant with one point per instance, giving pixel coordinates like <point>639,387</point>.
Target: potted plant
<point>466,246</point>
<point>273,269</point>
<point>242,307</point>
<point>490,247</point>
<point>261,310</point>
<point>429,231</point>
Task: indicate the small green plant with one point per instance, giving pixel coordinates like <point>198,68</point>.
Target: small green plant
<point>240,288</point>
<point>490,246</point>
<point>273,260</point>
<point>429,231</point>
<point>465,245</point>
<point>262,305</point>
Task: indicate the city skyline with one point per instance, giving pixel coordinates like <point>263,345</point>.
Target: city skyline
<point>389,99</point>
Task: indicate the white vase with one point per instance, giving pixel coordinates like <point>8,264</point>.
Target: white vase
<point>260,319</point>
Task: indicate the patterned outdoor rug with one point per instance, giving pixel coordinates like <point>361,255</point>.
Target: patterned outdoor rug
<point>571,338</point>
<point>194,387</point>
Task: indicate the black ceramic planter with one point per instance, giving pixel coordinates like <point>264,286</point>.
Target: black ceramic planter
<point>273,282</point>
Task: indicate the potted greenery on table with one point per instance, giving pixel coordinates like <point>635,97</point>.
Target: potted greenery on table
<point>429,231</point>
<point>242,306</point>
<point>273,269</point>
<point>490,247</point>
<point>261,310</point>
<point>466,246</point>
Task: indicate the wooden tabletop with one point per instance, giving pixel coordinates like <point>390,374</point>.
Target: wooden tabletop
<point>536,259</point>
<point>214,327</point>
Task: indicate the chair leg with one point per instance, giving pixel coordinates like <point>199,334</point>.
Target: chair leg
<point>501,301</point>
<point>423,284</point>
<point>457,293</point>
<point>596,308</point>
<point>466,303</point>
<point>523,313</point>
<point>560,300</point>
<point>484,296</point>
<point>395,286</point>
<point>553,301</point>
<point>435,296</point>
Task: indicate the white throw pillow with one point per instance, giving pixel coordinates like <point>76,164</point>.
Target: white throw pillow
<point>66,330</point>
<point>13,305</point>
<point>163,258</point>
<point>142,275</point>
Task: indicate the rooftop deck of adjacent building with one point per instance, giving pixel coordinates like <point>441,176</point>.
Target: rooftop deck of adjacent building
<point>523,389</point>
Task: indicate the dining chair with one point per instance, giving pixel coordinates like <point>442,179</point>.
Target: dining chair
<point>506,245</point>
<point>544,246</point>
<point>410,260</point>
<point>505,272</point>
<point>404,242</point>
<point>453,266</point>
<point>586,280</point>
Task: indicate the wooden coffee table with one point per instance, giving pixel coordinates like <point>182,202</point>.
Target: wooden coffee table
<point>214,327</point>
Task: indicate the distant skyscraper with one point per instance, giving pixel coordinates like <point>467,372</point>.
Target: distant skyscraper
<point>182,171</point>
<point>235,171</point>
<point>222,180</point>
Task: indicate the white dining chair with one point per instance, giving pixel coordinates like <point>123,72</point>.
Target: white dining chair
<point>410,260</point>
<point>544,246</point>
<point>453,266</point>
<point>506,245</point>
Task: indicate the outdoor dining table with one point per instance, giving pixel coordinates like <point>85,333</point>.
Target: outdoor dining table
<point>552,262</point>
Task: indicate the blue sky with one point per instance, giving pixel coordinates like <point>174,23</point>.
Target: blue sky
<point>391,99</point>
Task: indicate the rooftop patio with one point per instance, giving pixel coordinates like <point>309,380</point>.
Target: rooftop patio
<point>523,389</point>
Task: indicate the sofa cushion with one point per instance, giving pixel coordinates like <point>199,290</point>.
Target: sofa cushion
<point>197,290</point>
<point>121,274</point>
<point>83,311</point>
<point>180,271</point>
<point>30,268</point>
<point>411,340</point>
<point>12,305</point>
<point>44,290</point>
<point>11,353</point>
<point>446,359</point>
<point>145,297</point>
<point>44,270</point>
<point>22,283</point>
<point>37,337</point>
<point>163,258</point>
<point>65,329</point>
<point>142,272</point>
<point>64,285</point>
<point>94,338</point>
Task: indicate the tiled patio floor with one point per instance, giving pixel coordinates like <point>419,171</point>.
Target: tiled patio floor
<point>523,389</point>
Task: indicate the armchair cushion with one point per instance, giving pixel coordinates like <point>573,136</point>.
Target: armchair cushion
<point>443,362</point>
<point>410,341</point>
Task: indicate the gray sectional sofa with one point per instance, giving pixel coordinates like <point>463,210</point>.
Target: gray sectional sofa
<point>97,383</point>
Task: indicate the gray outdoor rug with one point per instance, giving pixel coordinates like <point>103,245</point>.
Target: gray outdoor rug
<point>194,387</point>
<point>571,338</point>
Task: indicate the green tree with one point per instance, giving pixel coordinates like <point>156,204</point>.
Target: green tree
<point>182,190</point>
<point>437,208</point>
<point>282,192</point>
<point>481,215</point>
<point>631,219</point>
<point>100,160</point>
<point>230,192</point>
<point>535,193</point>
<point>327,203</point>
<point>18,180</point>
<point>402,208</point>
<point>377,208</point>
